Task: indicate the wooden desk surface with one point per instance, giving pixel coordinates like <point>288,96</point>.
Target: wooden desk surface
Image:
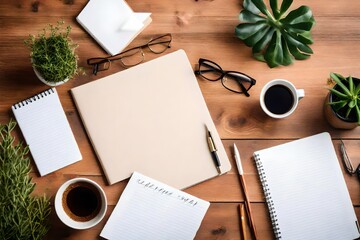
<point>203,28</point>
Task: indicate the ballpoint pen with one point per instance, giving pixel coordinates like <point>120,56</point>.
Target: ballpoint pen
<point>242,181</point>
<point>213,150</point>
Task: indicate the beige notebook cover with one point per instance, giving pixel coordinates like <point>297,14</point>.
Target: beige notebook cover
<point>151,119</point>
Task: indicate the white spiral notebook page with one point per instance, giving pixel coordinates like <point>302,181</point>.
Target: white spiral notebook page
<point>306,192</point>
<point>149,209</point>
<point>46,130</point>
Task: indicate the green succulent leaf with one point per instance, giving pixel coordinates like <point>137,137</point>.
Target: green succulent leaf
<point>292,39</point>
<point>357,113</point>
<point>263,42</point>
<point>246,30</point>
<point>248,16</point>
<point>296,53</point>
<point>300,27</point>
<point>287,57</point>
<point>336,78</point>
<point>277,39</point>
<point>261,6</point>
<point>357,90</point>
<point>274,8</point>
<point>351,84</point>
<point>339,104</point>
<point>348,112</point>
<point>285,6</point>
<point>352,103</point>
<point>337,93</point>
<point>301,14</point>
<point>252,40</point>
<point>248,5</point>
<point>273,54</point>
<point>305,38</point>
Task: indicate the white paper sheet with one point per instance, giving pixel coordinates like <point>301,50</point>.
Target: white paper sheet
<point>149,209</point>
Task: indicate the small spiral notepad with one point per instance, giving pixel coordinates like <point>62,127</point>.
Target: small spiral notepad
<point>305,190</point>
<point>46,130</point>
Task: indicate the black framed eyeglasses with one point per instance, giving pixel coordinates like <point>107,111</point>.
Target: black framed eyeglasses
<point>132,56</point>
<point>346,160</point>
<point>233,81</point>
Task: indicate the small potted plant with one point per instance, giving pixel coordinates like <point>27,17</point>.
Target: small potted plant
<point>53,54</point>
<point>342,106</point>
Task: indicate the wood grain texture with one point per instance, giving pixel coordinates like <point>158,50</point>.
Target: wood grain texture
<point>203,28</point>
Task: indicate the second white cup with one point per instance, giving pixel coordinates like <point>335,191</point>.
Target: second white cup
<point>80,203</point>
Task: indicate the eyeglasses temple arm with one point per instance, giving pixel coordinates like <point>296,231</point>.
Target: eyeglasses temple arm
<point>243,89</point>
<point>160,43</point>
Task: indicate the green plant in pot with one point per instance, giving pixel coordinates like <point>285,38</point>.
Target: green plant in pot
<point>278,37</point>
<point>53,54</point>
<point>22,215</point>
<point>342,106</point>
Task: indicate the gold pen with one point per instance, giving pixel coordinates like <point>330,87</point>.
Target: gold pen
<point>213,150</point>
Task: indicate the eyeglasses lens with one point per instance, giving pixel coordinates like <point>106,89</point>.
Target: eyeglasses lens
<point>132,57</point>
<point>160,44</point>
<point>233,81</point>
<point>210,71</point>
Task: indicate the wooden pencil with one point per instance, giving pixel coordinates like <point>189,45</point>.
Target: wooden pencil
<point>248,207</point>
<point>242,221</point>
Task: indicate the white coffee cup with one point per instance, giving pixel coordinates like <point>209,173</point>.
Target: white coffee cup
<point>279,98</point>
<point>91,193</point>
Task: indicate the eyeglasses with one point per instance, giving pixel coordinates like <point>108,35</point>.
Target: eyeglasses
<point>233,81</point>
<point>132,56</point>
<point>348,165</point>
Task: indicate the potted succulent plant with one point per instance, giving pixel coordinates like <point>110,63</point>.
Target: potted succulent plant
<point>53,55</point>
<point>342,105</point>
<point>278,37</point>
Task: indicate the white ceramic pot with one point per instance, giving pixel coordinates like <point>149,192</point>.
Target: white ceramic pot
<point>52,84</point>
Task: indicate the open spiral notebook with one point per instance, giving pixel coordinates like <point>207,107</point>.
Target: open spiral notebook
<point>305,190</point>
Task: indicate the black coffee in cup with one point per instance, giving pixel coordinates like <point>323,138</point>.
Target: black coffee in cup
<point>81,201</point>
<point>279,99</point>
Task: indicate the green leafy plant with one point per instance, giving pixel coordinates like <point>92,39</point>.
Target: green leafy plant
<point>276,38</point>
<point>347,93</point>
<point>22,216</point>
<point>53,53</point>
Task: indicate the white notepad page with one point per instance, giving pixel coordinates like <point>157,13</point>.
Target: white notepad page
<point>149,209</point>
<point>46,130</point>
<point>306,191</point>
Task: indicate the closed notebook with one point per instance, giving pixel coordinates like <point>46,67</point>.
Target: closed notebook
<point>46,130</point>
<point>149,209</point>
<point>112,23</point>
<point>305,190</point>
<point>151,118</point>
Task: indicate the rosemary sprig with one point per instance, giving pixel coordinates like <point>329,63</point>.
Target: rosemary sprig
<point>22,216</point>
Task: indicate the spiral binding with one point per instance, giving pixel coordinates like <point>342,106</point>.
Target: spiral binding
<point>268,198</point>
<point>33,98</point>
